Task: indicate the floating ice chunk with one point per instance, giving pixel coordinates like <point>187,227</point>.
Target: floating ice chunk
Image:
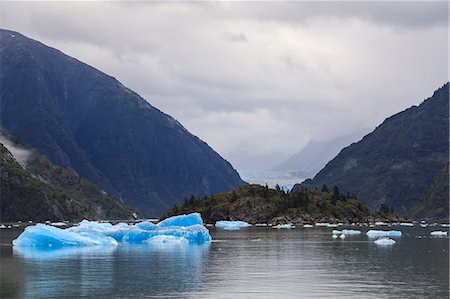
<point>89,233</point>
<point>351,232</point>
<point>284,226</point>
<point>163,239</point>
<point>322,224</point>
<point>346,232</point>
<point>331,225</point>
<point>407,224</point>
<point>385,241</point>
<point>232,225</point>
<point>2,226</point>
<point>58,224</point>
<point>423,225</point>
<point>342,236</point>
<point>182,220</point>
<point>445,225</point>
<point>383,233</point>
<point>261,224</point>
<point>378,223</point>
<point>42,235</point>
<point>307,225</point>
<point>334,236</point>
<point>438,233</point>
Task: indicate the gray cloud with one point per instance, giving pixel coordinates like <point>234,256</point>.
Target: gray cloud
<point>256,80</point>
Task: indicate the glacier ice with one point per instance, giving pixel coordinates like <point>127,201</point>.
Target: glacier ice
<point>438,233</point>
<point>182,220</point>
<point>385,241</point>
<point>232,225</point>
<point>41,235</point>
<point>383,233</point>
<point>162,239</point>
<point>183,228</point>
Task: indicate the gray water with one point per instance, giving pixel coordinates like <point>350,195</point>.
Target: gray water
<point>250,263</point>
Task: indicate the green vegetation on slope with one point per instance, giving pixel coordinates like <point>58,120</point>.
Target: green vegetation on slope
<point>255,203</point>
<point>42,191</point>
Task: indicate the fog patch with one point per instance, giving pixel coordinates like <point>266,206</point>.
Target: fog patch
<point>19,153</point>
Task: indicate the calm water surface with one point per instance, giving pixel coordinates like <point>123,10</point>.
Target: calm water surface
<point>250,263</point>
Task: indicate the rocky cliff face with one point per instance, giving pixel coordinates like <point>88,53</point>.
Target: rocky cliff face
<point>33,188</point>
<point>399,161</point>
<point>84,119</point>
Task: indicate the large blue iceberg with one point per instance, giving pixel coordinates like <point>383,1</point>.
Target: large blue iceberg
<point>232,225</point>
<point>177,229</point>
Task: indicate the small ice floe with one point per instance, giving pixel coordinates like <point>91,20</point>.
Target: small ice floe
<point>9,226</point>
<point>445,225</point>
<point>379,223</point>
<point>58,224</point>
<point>323,224</point>
<point>342,236</point>
<point>334,236</point>
<point>331,225</point>
<point>16,225</point>
<point>423,225</point>
<point>47,222</point>
<point>383,233</point>
<point>346,232</point>
<point>307,225</point>
<point>407,224</point>
<point>232,225</point>
<point>2,226</point>
<point>438,233</point>
<point>19,221</point>
<point>285,226</point>
<point>385,241</point>
<point>261,224</point>
<point>30,221</point>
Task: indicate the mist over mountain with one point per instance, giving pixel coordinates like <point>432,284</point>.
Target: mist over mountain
<point>400,162</point>
<point>84,119</point>
<point>315,155</point>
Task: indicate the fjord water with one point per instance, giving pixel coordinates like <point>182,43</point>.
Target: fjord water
<point>256,262</point>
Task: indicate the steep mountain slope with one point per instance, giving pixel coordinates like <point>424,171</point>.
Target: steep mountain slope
<point>435,203</point>
<point>315,155</point>
<point>85,119</point>
<point>32,188</point>
<point>399,161</point>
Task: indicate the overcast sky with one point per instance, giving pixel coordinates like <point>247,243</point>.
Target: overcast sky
<point>256,80</point>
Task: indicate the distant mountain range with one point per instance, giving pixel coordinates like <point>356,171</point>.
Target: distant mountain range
<point>403,163</point>
<point>315,155</point>
<point>84,119</point>
<point>33,188</point>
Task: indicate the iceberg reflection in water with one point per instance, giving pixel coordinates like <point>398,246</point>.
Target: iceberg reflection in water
<point>148,268</point>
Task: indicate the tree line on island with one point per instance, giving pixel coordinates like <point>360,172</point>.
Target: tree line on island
<point>261,204</point>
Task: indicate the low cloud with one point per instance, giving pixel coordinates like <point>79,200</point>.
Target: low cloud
<point>256,81</point>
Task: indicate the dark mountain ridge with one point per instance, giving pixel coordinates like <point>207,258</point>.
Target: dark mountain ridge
<point>398,162</point>
<point>81,118</point>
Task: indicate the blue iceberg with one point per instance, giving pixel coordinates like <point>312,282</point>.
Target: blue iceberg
<point>41,235</point>
<point>184,228</point>
<point>438,233</point>
<point>383,233</point>
<point>182,220</point>
<point>232,225</point>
